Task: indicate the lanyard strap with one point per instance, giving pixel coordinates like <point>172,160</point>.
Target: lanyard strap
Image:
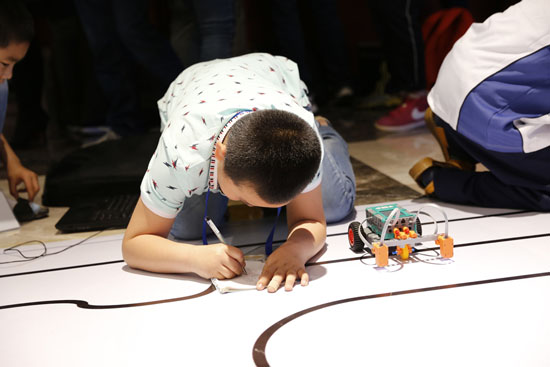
<point>204,240</point>
<point>268,241</point>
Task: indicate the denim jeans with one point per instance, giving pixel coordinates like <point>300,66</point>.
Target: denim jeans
<point>329,40</point>
<point>119,34</point>
<point>338,186</point>
<point>216,21</point>
<point>202,30</point>
<point>3,103</point>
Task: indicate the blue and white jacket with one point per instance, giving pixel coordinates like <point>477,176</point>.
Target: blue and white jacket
<point>494,85</point>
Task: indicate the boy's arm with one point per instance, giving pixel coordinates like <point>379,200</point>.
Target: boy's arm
<point>307,234</point>
<point>16,172</point>
<point>146,247</point>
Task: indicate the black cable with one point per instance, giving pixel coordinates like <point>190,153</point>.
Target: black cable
<point>45,250</point>
<point>25,258</point>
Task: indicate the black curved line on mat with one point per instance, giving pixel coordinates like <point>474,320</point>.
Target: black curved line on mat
<point>86,305</point>
<point>63,268</point>
<point>258,352</point>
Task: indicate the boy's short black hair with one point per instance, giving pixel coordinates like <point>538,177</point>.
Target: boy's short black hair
<point>275,151</point>
<point>16,23</point>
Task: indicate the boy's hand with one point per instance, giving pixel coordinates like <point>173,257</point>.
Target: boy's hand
<point>219,261</point>
<point>282,266</point>
<point>18,174</point>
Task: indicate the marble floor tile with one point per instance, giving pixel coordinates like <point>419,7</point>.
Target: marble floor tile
<point>394,154</point>
<point>372,186</point>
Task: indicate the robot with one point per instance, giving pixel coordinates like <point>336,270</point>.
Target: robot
<point>391,229</point>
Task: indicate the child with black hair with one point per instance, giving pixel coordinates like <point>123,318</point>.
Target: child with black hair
<point>16,33</point>
<point>239,129</point>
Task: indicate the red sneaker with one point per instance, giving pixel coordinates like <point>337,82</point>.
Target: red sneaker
<point>408,116</point>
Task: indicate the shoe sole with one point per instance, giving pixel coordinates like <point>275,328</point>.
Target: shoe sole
<point>416,171</point>
<point>422,165</point>
<point>419,167</point>
<point>407,127</point>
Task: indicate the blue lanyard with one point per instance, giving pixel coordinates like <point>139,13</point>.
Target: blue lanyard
<point>204,240</point>
<point>268,241</point>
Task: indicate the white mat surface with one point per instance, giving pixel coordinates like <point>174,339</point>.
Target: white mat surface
<point>485,306</point>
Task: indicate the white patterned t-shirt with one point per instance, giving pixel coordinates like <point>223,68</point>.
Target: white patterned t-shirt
<point>199,108</point>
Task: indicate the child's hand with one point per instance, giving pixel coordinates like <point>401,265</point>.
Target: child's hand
<point>19,174</point>
<point>219,261</point>
<point>282,266</point>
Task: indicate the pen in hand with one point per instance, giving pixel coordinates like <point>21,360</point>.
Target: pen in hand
<point>218,234</point>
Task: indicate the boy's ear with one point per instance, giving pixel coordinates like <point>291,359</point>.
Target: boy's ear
<point>221,150</point>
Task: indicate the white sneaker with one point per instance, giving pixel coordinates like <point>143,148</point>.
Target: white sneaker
<point>109,135</point>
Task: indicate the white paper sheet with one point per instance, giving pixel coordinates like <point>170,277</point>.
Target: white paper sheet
<point>7,218</point>
<point>244,282</point>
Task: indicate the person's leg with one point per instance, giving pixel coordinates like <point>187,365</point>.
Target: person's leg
<point>189,222</point>
<point>400,29</point>
<point>146,45</point>
<point>398,23</point>
<point>184,32</point>
<point>216,20</point>
<point>287,29</point>
<point>113,68</point>
<point>514,180</point>
<point>331,44</point>
<point>485,189</point>
<point>338,181</point>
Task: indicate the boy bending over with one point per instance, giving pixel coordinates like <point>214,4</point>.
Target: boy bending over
<point>239,129</point>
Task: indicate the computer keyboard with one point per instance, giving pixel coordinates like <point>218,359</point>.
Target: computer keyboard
<point>118,207</point>
<point>105,213</point>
